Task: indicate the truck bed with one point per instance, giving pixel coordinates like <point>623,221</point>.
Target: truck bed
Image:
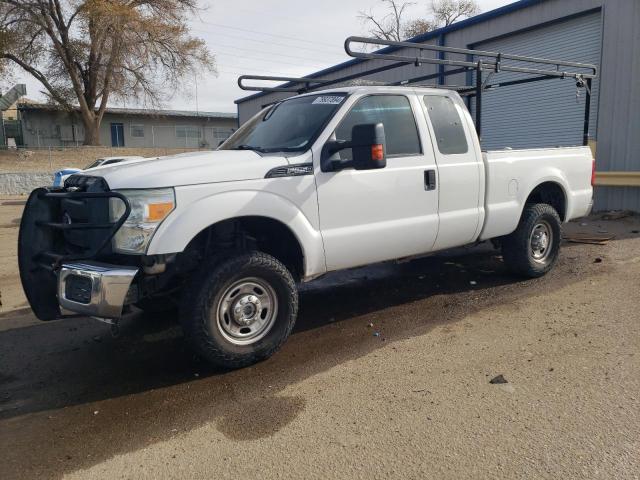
<point>511,175</point>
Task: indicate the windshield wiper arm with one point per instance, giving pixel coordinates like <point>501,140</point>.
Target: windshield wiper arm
<point>248,147</point>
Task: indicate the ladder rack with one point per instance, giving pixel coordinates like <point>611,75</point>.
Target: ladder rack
<point>477,61</point>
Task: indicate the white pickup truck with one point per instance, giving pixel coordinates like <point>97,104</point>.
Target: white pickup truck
<point>319,182</point>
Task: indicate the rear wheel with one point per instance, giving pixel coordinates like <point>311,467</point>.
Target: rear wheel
<point>239,311</point>
<point>532,250</point>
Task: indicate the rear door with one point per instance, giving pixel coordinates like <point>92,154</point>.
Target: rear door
<point>460,169</point>
<point>368,216</point>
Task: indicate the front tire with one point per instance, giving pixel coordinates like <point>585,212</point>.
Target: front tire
<point>532,250</point>
<point>240,310</point>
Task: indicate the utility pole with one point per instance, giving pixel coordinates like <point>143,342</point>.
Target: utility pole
<point>195,78</point>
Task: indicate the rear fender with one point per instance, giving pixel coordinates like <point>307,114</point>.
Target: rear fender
<point>503,212</point>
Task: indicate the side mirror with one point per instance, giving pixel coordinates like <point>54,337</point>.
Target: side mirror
<point>368,145</point>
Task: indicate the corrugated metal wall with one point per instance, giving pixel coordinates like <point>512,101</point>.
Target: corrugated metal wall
<point>618,105</point>
<point>546,113</point>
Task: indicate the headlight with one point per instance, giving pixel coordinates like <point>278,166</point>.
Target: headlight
<point>148,209</point>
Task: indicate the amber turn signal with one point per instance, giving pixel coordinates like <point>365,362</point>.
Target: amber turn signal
<point>157,211</point>
<point>377,152</point>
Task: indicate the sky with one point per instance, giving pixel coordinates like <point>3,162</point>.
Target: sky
<point>279,37</point>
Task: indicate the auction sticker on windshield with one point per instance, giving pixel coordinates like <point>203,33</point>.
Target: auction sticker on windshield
<point>328,100</point>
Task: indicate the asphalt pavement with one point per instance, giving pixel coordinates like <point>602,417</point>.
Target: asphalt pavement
<point>387,375</point>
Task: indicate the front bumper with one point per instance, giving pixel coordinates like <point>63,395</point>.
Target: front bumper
<point>95,289</point>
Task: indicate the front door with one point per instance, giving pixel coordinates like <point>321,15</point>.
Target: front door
<point>368,216</point>
<point>117,135</point>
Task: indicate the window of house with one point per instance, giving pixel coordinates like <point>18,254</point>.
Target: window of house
<point>185,131</point>
<point>217,135</point>
<point>447,124</point>
<point>137,131</point>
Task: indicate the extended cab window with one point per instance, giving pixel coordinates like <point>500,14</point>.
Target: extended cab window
<point>447,124</point>
<point>394,112</point>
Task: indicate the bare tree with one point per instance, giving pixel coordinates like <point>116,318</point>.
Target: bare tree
<point>445,12</point>
<point>390,26</point>
<point>86,52</point>
<point>394,25</point>
<point>419,26</point>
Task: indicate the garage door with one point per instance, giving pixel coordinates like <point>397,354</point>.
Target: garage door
<point>546,113</point>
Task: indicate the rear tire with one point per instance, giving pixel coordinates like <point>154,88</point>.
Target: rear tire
<point>532,250</point>
<point>240,310</point>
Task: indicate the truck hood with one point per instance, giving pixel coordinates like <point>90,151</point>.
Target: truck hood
<point>188,169</point>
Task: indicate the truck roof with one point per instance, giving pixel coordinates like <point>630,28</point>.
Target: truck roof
<point>380,89</point>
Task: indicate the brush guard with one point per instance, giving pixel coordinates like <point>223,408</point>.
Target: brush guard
<point>43,246</point>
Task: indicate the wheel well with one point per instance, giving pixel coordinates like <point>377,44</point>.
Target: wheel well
<point>253,233</point>
<point>552,194</point>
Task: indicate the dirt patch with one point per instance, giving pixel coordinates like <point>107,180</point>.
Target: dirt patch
<point>11,294</point>
<point>259,418</point>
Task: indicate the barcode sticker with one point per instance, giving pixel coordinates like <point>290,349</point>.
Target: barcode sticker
<point>328,100</point>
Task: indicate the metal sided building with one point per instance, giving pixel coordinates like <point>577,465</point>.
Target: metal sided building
<point>542,114</point>
<point>49,126</point>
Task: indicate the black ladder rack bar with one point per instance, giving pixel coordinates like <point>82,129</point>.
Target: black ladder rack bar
<point>282,88</point>
<point>290,87</point>
<point>482,60</point>
<point>587,113</point>
<point>291,81</point>
<point>496,65</point>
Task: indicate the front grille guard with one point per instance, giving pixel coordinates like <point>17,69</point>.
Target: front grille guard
<point>57,258</point>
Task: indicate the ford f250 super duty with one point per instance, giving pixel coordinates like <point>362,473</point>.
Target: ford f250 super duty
<point>316,183</point>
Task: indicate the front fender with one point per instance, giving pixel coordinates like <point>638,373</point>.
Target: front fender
<point>192,217</point>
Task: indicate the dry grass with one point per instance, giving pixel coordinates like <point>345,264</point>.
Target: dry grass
<point>50,160</point>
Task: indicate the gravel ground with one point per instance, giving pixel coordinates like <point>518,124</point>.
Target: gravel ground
<point>339,401</point>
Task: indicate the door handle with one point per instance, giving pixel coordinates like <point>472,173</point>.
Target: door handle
<point>429,180</point>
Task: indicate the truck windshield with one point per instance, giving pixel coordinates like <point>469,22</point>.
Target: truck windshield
<point>287,126</point>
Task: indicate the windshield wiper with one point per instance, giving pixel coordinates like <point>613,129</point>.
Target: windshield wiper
<point>248,147</point>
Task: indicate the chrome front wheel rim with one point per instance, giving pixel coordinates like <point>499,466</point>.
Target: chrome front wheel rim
<point>246,311</point>
<point>541,242</point>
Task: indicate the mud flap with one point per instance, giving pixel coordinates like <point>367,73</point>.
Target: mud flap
<point>39,283</point>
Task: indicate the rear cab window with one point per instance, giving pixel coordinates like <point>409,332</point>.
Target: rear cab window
<point>447,124</point>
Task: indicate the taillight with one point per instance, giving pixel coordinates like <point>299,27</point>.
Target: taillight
<point>593,173</point>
